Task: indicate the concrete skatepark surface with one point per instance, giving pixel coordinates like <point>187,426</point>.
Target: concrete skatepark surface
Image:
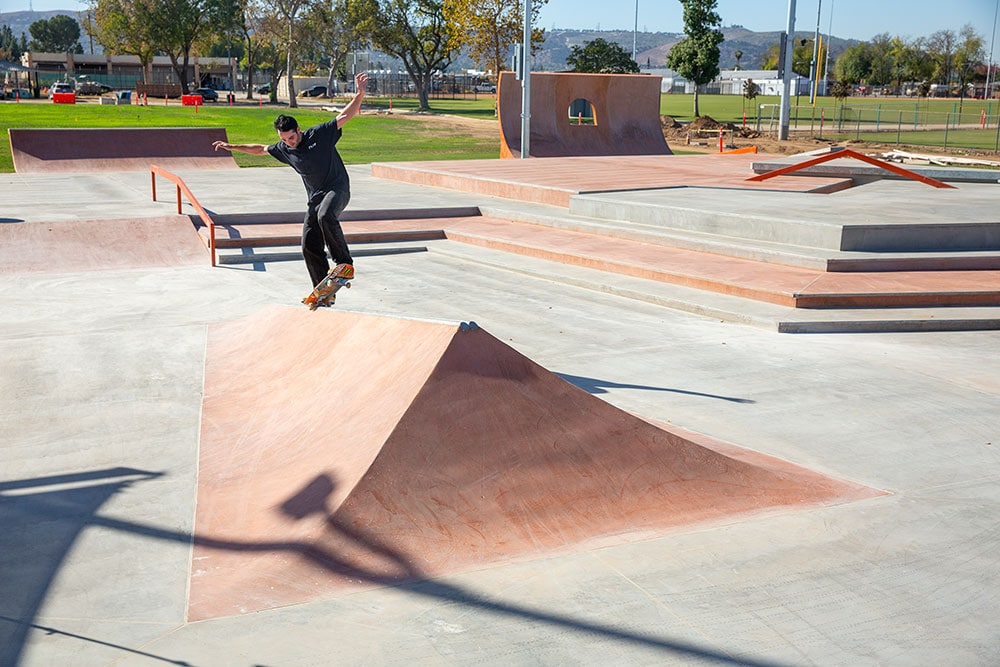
<point>104,376</point>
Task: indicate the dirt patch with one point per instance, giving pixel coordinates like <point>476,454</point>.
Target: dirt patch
<point>699,136</point>
<point>475,127</point>
<point>702,136</point>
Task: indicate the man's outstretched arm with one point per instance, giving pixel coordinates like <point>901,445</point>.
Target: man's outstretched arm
<point>354,106</point>
<point>252,149</point>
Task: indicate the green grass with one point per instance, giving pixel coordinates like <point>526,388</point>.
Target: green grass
<point>918,122</point>
<point>368,138</point>
<point>397,138</point>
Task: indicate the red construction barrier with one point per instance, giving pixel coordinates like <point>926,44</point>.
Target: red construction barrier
<point>191,100</point>
<point>64,98</point>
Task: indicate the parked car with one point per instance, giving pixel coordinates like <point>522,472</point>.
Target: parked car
<point>486,88</point>
<point>315,91</point>
<point>61,87</point>
<point>263,90</point>
<point>92,88</point>
<point>207,94</point>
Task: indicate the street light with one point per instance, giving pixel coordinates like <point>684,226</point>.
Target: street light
<point>989,66</point>
<point>813,71</point>
<point>786,84</point>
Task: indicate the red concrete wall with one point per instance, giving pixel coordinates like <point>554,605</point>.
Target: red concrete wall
<point>626,111</point>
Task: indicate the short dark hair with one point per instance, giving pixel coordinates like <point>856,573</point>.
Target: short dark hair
<point>285,123</point>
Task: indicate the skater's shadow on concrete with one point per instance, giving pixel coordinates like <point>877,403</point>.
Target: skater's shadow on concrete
<point>44,516</point>
<point>596,386</point>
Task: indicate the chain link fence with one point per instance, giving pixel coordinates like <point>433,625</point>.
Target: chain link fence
<point>971,125</point>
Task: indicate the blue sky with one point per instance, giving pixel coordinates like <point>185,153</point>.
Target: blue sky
<point>857,19</point>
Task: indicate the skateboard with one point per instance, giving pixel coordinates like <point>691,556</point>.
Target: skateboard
<point>325,293</point>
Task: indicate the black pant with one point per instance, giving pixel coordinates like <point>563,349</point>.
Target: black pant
<point>321,229</point>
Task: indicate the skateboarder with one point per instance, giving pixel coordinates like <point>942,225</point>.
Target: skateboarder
<point>312,153</point>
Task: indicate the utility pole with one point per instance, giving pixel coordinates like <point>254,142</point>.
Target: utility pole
<point>813,67</point>
<point>526,84</point>
<point>786,83</point>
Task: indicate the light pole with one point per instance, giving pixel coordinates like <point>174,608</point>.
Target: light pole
<point>989,66</point>
<point>526,84</point>
<point>813,71</point>
<point>786,83</point>
<point>635,28</point>
<point>829,43</point>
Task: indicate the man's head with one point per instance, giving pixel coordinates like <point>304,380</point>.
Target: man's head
<point>288,130</point>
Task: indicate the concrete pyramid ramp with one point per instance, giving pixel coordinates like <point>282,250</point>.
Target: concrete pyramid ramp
<point>341,450</point>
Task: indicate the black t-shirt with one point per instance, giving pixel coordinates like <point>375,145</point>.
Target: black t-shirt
<point>316,160</point>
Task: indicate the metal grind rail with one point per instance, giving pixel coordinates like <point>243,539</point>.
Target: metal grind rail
<point>182,187</point>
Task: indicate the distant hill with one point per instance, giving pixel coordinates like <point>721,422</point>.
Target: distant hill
<point>651,47</point>
<point>19,23</point>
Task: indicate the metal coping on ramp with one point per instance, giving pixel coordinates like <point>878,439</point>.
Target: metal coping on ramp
<point>341,451</point>
<point>117,149</point>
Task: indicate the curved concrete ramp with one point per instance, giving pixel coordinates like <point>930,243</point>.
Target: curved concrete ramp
<point>626,111</point>
<point>119,149</point>
<point>341,450</point>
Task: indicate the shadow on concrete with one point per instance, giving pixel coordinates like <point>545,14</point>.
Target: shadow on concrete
<point>596,386</point>
<point>44,516</point>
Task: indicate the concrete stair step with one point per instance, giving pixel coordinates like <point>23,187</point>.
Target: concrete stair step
<point>758,250</point>
<point>728,308</point>
<point>783,285</point>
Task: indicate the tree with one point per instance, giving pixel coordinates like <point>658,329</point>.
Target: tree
<point>10,47</point>
<point>696,57</point>
<point>969,57</point>
<point>488,28</point>
<point>854,65</point>
<point>59,34</point>
<point>841,90</point>
<point>339,28</point>
<point>739,56</point>
<point>750,92</point>
<point>290,13</point>
<point>941,49</point>
<point>179,24</point>
<point>882,65</point>
<point>127,27</point>
<point>416,32</point>
<point>602,57</point>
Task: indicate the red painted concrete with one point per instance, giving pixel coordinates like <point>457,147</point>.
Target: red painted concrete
<point>92,245</point>
<point>132,149</point>
<point>341,450</point>
<point>626,108</point>
<point>554,180</point>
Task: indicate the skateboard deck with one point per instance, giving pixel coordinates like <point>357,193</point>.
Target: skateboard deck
<point>325,293</point>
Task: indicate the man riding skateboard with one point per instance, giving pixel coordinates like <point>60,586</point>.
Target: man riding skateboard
<point>312,153</point>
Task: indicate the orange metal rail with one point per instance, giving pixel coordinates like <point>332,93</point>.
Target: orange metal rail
<point>182,187</point>
<point>847,152</point>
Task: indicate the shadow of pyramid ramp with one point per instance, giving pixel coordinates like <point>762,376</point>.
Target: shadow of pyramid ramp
<point>341,450</point>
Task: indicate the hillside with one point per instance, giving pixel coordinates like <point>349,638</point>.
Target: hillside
<point>651,47</point>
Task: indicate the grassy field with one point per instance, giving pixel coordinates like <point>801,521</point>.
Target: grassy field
<point>398,138</point>
<point>971,124</point>
<point>382,138</point>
